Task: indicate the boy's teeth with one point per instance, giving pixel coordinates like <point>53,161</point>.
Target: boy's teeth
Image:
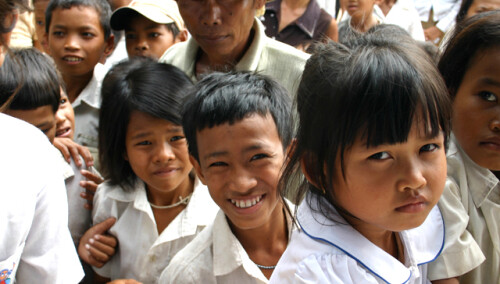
<point>246,203</point>
<point>72,59</point>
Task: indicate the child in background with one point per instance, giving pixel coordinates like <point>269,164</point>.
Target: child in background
<point>52,114</point>
<point>470,8</point>
<point>159,205</point>
<point>361,18</point>
<point>77,45</point>
<point>151,27</point>
<point>470,66</point>
<point>39,10</point>
<point>372,151</point>
<point>238,127</point>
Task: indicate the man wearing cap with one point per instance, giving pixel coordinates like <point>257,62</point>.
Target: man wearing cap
<point>151,27</point>
<point>226,35</point>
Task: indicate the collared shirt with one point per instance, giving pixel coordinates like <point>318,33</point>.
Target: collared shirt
<point>470,202</point>
<point>215,257</point>
<point>265,56</point>
<point>445,12</point>
<point>328,5</point>
<point>324,251</point>
<point>86,107</point>
<point>36,245</point>
<point>403,14</point>
<point>310,27</point>
<point>142,254</point>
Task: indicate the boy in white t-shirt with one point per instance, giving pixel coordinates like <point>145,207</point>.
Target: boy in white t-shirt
<point>238,127</point>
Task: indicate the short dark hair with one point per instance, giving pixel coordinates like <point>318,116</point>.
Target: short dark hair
<point>143,85</point>
<point>462,12</point>
<point>474,35</point>
<point>41,83</point>
<point>221,98</point>
<point>100,6</point>
<point>373,88</point>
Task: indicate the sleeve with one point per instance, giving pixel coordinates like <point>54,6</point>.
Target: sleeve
<point>49,255</point>
<point>448,20</point>
<point>459,243</point>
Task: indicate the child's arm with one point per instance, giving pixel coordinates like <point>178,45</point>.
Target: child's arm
<point>90,185</point>
<point>70,149</point>
<point>96,247</point>
<point>446,281</point>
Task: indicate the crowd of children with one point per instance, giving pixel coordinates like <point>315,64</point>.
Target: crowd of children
<point>215,154</point>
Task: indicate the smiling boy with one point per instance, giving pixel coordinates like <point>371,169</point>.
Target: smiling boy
<point>78,35</point>
<point>238,127</point>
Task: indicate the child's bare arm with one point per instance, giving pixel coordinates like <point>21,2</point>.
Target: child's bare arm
<point>96,246</point>
<point>70,149</point>
<point>90,185</point>
<point>446,281</point>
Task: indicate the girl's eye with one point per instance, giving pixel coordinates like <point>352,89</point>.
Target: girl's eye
<point>217,164</point>
<point>63,101</point>
<point>488,96</point>
<point>429,148</point>
<point>176,138</point>
<point>40,23</point>
<point>258,157</point>
<point>144,143</point>
<point>380,156</point>
<point>58,33</point>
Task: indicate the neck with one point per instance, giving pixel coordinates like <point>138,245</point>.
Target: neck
<point>265,244</point>
<point>76,84</point>
<point>162,198</point>
<point>363,23</point>
<point>296,4</point>
<point>386,6</point>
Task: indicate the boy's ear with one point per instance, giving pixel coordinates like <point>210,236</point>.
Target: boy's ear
<point>110,45</point>
<point>197,169</point>
<point>182,36</point>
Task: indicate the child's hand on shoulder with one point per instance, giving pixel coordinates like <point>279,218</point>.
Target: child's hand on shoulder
<point>96,247</point>
<point>70,149</point>
<point>90,185</point>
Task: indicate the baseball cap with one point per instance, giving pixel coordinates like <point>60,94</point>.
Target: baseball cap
<point>158,11</point>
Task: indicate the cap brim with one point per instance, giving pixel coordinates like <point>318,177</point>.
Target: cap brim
<point>121,17</point>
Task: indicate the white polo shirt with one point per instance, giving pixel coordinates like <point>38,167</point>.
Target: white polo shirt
<point>35,243</point>
<point>445,12</point>
<point>403,14</point>
<point>324,251</point>
<point>215,256</point>
<point>142,254</point>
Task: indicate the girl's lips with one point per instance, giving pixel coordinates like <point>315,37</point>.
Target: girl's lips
<point>63,132</point>
<point>491,144</point>
<point>412,207</point>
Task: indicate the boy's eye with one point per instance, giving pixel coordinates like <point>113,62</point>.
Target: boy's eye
<point>58,33</point>
<point>130,36</point>
<point>258,157</point>
<point>63,101</point>
<point>488,96</point>
<point>176,138</point>
<point>87,35</point>
<point>40,23</point>
<point>217,164</point>
<point>379,156</point>
<point>154,34</point>
<point>429,148</point>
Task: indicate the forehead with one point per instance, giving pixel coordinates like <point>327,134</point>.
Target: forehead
<point>75,14</point>
<point>34,116</point>
<point>254,131</point>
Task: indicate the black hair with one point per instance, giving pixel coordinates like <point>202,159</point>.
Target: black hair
<point>475,34</point>
<point>143,85</point>
<point>371,88</point>
<point>41,83</point>
<point>221,98</point>
<point>100,6</point>
<point>462,12</point>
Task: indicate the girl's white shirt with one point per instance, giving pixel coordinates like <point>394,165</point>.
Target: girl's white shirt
<point>142,254</point>
<point>324,251</point>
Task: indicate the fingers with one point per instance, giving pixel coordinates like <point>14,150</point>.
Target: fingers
<point>103,226</point>
<point>86,155</point>
<point>91,176</point>
<point>63,149</point>
<point>95,248</point>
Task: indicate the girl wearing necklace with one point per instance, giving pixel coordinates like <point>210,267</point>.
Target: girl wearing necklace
<point>158,203</point>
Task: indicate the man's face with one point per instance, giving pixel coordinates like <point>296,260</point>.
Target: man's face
<point>221,27</point>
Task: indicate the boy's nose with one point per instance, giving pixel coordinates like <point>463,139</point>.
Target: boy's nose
<point>241,181</point>
<point>71,43</point>
<point>211,14</point>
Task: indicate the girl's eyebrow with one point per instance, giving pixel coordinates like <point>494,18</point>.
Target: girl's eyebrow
<point>489,81</point>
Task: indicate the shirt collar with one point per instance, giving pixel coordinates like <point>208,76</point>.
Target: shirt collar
<point>481,181</point>
<point>422,244</point>
<point>91,94</point>
<point>307,22</point>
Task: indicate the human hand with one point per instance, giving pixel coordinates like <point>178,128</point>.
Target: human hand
<point>69,149</point>
<point>124,281</point>
<point>433,33</point>
<point>90,185</point>
<point>96,248</point>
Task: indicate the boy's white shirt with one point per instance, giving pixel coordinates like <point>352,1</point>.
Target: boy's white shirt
<point>445,12</point>
<point>141,253</point>
<point>403,14</point>
<point>86,107</point>
<point>471,206</point>
<point>324,251</point>
<point>36,245</point>
<point>79,218</point>
<point>215,256</point>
